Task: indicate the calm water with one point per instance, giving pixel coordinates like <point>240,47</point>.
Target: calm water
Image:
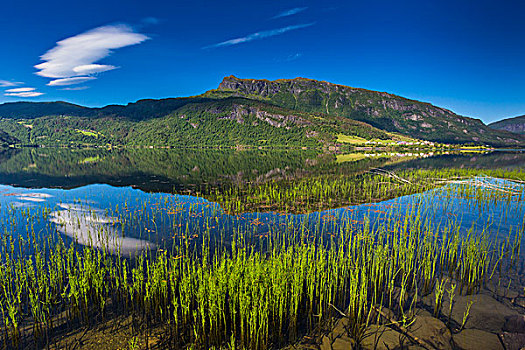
<point>149,198</point>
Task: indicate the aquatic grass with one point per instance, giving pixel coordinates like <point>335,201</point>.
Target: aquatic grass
<point>335,190</point>
<point>249,290</point>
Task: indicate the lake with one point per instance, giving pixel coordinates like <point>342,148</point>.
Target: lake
<point>205,207</point>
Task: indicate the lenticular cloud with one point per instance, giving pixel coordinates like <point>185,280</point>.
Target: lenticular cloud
<point>69,81</point>
<point>76,56</point>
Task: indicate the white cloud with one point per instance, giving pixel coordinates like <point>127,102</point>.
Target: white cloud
<point>24,94</point>
<point>92,68</point>
<point>24,89</point>
<point>73,60</point>
<point>69,81</point>
<point>290,12</point>
<point>259,35</point>
<point>6,83</point>
<point>293,57</point>
<point>77,88</point>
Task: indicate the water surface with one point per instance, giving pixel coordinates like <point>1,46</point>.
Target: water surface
<point>136,199</point>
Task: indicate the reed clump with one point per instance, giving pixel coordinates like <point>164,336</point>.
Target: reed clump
<point>246,290</point>
<point>336,190</point>
<point>255,299</point>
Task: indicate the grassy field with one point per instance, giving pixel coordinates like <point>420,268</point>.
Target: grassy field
<point>342,138</point>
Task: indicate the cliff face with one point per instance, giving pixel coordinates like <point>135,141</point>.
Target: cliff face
<point>515,125</point>
<point>382,110</point>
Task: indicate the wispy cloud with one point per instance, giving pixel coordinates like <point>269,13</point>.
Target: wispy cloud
<point>24,89</point>
<point>259,35</point>
<point>7,83</point>
<point>24,94</point>
<point>293,57</point>
<point>77,88</point>
<point>73,60</point>
<point>70,81</point>
<point>290,12</point>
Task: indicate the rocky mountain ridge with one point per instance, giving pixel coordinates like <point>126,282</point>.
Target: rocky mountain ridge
<point>379,109</point>
<point>286,112</point>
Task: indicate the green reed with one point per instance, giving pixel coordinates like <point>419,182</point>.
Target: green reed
<point>246,291</point>
<point>335,190</point>
<point>257,298</point>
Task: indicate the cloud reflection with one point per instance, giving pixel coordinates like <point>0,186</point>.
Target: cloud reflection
<point>92,227</point>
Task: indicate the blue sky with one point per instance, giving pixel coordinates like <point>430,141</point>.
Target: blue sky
<point>467,56</point>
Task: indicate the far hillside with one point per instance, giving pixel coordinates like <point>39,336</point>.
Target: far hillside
<point>243,112</point>
<point>516,125</point>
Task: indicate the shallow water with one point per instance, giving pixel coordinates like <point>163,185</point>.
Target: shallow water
<point>146,203</point>
<point>137,216</point>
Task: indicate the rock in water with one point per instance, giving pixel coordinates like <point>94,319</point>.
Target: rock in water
<point>514,324</point>
<point>432,331</point>
<point>513,341</point>
<point>474,339</point>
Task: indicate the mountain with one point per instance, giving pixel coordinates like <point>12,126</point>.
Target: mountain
<point>379,109</point>
<point>228,121</point>
<point>515,125</point>
<point>31,110</point>
<point>296,112</point>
